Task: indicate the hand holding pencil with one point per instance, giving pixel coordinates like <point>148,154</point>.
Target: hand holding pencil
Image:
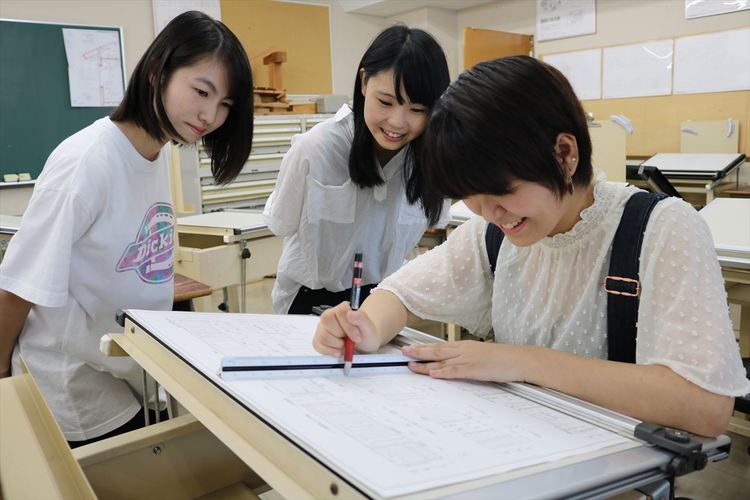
<point>344,324</point>
<point>354,304</point>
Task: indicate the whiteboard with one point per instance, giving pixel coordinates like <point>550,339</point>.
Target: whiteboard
<point>715,62</point>
<point>582,69</point>
<point>641,69</point>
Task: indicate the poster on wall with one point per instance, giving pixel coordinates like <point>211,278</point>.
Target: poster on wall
<point>95,74</point>
<point>564,18</point>
<point>703,8</point>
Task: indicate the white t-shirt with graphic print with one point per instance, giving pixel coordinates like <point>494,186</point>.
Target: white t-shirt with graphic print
<point>97,237</point>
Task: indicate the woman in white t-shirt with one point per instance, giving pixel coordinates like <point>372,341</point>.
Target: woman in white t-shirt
<point>354,183</point>
<point>97,235</point>
<point>510,138</point>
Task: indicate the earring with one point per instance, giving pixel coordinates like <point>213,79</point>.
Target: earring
<point>569,186</point>
<point>573,159</point>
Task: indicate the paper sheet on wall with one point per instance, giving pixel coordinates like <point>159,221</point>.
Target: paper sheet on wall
<point>94,67</point>
<point>389,434</point>
<point>703,8</point>
<point>564,18</point>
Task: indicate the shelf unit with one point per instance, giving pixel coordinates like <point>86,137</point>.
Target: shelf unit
<point>272,138</point>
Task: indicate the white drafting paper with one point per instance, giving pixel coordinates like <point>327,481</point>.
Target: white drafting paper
<point>564,18</point>
<point>583,70</point>
<point>641,69</point>
<point>94,67</point>
<point>389,434</point>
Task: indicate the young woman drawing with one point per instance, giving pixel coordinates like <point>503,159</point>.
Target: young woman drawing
<point>98,233</point>
<point>355,183</point>
<point>510,138</point>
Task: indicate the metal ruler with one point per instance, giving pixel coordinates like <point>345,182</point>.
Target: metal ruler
<point>259,367</point>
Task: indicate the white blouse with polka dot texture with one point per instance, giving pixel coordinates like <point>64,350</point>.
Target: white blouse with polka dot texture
<point>551,293</point>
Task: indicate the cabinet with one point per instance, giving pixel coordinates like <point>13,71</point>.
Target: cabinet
<point>272,138</point>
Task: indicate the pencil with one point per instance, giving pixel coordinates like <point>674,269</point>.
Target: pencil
<point>355,297</point>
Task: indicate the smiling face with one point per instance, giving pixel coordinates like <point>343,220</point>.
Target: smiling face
<point>196,99</point>
<point>531,211</point>
<point>391,124</point>
<point>527,214</point>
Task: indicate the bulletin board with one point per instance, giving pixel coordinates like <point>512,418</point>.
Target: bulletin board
<point>303,31</point>
<point>657,120</point>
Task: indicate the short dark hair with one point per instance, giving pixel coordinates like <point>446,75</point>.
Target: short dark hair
<point>417,61</point>
<point>499,121</point>
<point>187,39</point>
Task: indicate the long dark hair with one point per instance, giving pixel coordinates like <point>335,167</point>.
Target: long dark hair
<point>417,61</point>
<point>187,39</point>
<point>499,121</point>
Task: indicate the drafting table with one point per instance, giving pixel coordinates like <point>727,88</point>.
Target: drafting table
<point>223,249</point>
<point>694,173</point>
<point>9,224</point>
<point>295,470</point>
<point>729,221</point>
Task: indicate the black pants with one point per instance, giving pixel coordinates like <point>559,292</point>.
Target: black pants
<point>307,298</point>
<point>133,424</point>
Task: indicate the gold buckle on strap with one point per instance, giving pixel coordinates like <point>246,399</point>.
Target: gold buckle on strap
<point>627,280</point>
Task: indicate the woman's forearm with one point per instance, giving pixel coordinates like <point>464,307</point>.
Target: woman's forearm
<point>388,314</point>
<point>651,393</point>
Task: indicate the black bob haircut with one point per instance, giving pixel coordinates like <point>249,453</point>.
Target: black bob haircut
<point>418,62</point>
<point>499,122</point>
<point>186,40</point>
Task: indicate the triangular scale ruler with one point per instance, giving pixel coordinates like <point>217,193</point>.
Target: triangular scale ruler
<point>263,367</point>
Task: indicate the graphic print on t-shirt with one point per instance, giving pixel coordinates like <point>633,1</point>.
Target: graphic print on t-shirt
<point>151,252</point>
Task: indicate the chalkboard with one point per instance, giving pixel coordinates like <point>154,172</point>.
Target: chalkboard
<point>35,110</point>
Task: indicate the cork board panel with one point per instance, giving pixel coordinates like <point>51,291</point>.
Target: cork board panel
<point>657,120</point>
<point>300,30</point>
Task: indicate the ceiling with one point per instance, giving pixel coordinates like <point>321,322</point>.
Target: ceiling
<point>387,8</point>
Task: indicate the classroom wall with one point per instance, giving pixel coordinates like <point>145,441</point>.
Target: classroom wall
<point>630,21</point>
<point>617,22</point>
<point>351,34</point>
<point>135,17</point>
<point>440,23</point>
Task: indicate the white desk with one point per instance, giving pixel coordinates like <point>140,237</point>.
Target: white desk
<point>697,173</point>
<point>9,225</point>
<point>729,221</point>
<point>224,249</point>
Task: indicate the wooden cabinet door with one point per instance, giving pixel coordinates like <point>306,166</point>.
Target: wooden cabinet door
<point>484,45</point>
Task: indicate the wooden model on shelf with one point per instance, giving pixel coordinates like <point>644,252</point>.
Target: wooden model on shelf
<point>272,99</point>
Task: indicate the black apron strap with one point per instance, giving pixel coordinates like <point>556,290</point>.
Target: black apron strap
<point>622,284</point>
<point>493,238</point>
